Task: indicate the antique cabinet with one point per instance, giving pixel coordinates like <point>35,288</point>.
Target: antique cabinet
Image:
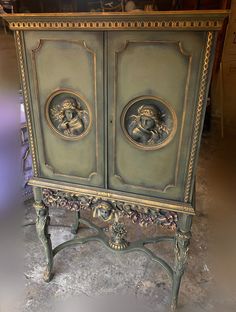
<point>115,106</point>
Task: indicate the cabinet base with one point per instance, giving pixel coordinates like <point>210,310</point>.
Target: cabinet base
<point>123,246</point>
<point>116,241</point>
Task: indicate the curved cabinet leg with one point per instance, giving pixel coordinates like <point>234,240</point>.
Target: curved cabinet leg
<point>42,223</point>
<point>182,240</point>
<point>75,226</point>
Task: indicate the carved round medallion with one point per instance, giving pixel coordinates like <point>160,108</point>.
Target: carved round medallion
<point>148,122</point>
<point>68,114</point>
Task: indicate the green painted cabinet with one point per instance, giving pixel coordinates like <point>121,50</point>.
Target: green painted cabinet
<point>116,102</point>
<point>115,105</point>
<point>135,87</point>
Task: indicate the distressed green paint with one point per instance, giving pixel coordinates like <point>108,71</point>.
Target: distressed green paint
<point>162,55</point>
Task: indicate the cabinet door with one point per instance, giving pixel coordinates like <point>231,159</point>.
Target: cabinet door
<point>66,87</point>
<point>152,95</point>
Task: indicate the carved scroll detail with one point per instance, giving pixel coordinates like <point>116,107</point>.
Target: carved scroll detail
<point>42,223</point>
<point>181,251</point>
<point>109,210</point>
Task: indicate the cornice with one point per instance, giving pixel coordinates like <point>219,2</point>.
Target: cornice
<point>176,20</point>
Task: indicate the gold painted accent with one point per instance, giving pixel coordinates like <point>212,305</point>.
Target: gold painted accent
<point>198,116</point>
<point>117,25</point>
<point>20,49</point>
<point>180,20</point>
<point>158,145</point>
<point>76,94</point>
<point>118,246</point>
<point>110,195</point>
<point>118,233</point>
<point>47,275</point>
<point>104,210</point>
<point>38,205</point>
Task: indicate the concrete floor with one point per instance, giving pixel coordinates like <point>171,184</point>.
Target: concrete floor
<point>91,278</point>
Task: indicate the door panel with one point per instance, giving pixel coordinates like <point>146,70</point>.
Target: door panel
<point>66,82</point>
<point>153,79</point>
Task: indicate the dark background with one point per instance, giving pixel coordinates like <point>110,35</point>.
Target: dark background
<point>28,6</point>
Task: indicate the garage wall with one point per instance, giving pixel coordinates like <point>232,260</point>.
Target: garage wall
<point>225,81</point>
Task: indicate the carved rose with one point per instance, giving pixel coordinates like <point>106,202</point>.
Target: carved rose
<point>63,203</point>
<point>108,211</point>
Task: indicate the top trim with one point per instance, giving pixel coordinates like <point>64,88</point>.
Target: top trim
<point>176,20</point>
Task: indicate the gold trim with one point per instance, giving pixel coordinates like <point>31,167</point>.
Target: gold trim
<point>119,25</point>
<point>118,246</point>
<point>19,45</point>
<point>180,20</point>
<point>114,195</point>
<point>50,124</point>
<point>38,205</point>
<point>198,117</point>
<point>157,146</point>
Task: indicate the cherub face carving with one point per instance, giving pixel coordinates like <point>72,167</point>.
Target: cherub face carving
<point>68,116</point>
<point>148,122</point>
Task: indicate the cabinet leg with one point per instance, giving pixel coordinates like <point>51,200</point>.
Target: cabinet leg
<point>75,226</point>
<point>182,240</point>
<point>42,223</point>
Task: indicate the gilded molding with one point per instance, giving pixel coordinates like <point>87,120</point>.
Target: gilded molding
<point>114,195</point>
<point>109,210</point>
<point>198,117</point>
<point>18,39</point>
<point>118,25</point>
<point>171,20</point>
